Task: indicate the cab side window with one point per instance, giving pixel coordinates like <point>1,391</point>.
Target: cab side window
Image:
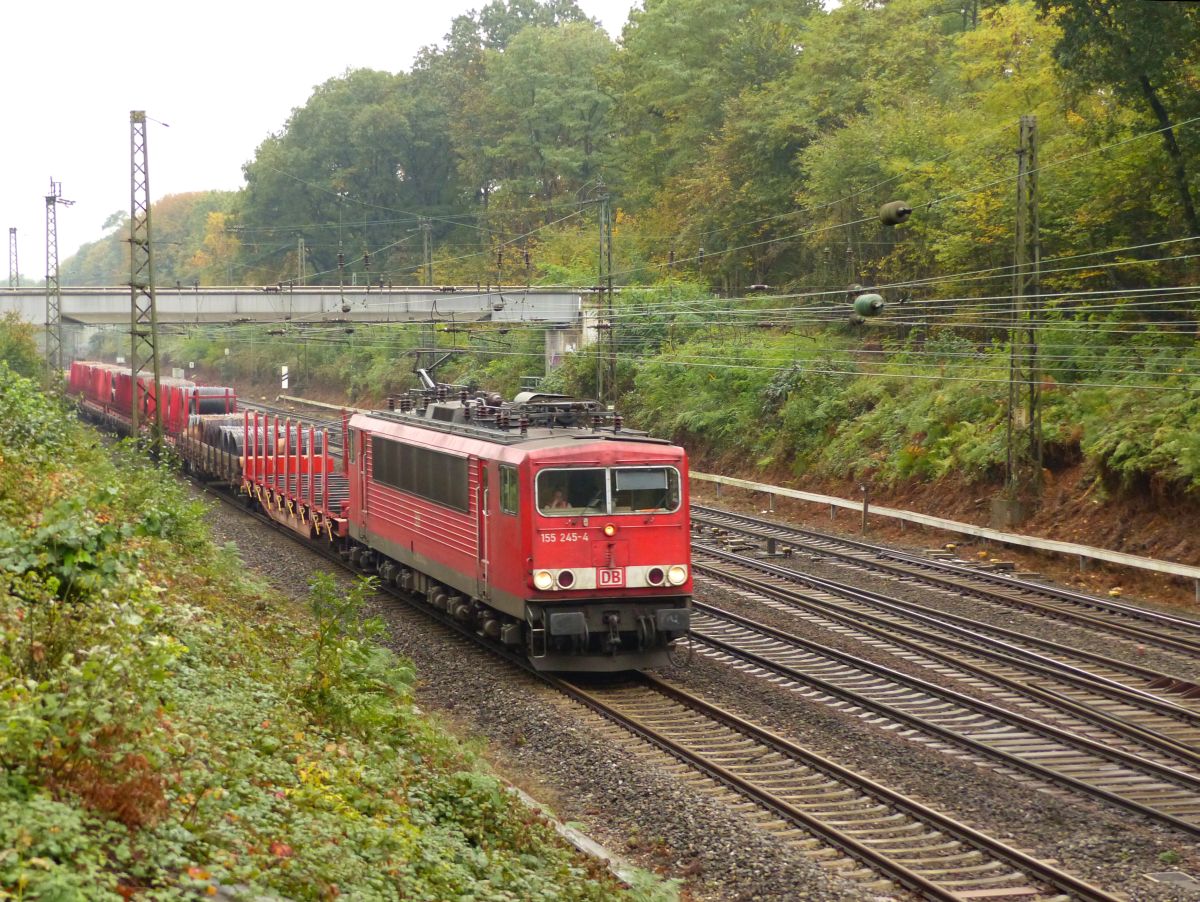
<point>510,496</point>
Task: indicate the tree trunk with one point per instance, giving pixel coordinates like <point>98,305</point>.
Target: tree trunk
<point>1173,151</point>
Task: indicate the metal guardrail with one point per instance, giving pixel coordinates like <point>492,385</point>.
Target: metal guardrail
<point>345,407</point>
<point>1083,552</point>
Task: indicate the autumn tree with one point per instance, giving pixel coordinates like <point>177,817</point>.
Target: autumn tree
<point>214,262</point>
<point>549,115</point>
<point>500,21</point>
<point>339,176</point>
<point>1148,53</point>
<point>178,228</point>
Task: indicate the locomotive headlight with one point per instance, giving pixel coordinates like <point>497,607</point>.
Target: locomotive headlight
<point>543,580</point>
<point>677,575</point>
<point>655,576</point>
<point>610,530</point>
<point>566,579</point>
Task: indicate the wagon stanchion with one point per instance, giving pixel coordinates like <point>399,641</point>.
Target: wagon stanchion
<point>287,458</point>
<point>260,448</point>
<point>325,476</point>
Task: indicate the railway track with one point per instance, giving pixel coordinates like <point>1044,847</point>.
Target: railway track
<point>1155,628</point>
<point>824,810</point>
<point>1142,695</point>
<point>1089,752</point>
<point>911,844</point>
<point>322,421</point>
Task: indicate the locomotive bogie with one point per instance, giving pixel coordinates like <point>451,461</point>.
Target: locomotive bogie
<point>484,619</point>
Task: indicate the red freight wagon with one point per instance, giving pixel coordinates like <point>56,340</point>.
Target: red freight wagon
<point>123,388</point>
<point>287,468</point>
<point>171,394</point>
<point>106,390</point>
<point>77,377</point>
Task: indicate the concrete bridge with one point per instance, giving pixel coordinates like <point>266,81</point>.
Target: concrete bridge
<point>275,304</point>
<point>569,315</point>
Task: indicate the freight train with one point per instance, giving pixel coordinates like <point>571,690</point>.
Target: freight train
<point>542,522</point>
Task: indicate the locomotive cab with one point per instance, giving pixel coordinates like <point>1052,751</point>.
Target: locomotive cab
<point>609,565</point>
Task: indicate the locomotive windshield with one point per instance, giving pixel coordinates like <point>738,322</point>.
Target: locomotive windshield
<point>645,489</point>
<point>571,493</point>
<point>624,490</point>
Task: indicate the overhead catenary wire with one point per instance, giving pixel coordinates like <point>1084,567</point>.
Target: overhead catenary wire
<point>841,200</point>
<point>414,268</point>
<point>972,363</point>
<point>733,361</point>
<point>981,304</point>
<point>910,283</point>
<point>929,204</point>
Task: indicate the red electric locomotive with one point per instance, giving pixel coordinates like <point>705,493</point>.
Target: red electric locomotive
<point>541,522</point>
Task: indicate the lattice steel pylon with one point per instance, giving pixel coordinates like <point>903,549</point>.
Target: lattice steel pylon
<point>54,336</point>
<point>143,326</point>
<point>14,271</point>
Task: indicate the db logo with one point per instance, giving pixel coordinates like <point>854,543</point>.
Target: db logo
<point>612,577</point>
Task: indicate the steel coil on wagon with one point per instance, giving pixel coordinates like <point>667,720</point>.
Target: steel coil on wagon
<point>233,439</point>
<point>318,443</point>
<point>212,427</point>
<point>201,426</point>
<point>212,399</point>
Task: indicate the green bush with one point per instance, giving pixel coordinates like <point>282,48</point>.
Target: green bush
<point>17,347</point>
<point>349,680</point>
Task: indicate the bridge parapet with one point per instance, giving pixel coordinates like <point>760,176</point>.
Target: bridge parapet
<point>98,306</point>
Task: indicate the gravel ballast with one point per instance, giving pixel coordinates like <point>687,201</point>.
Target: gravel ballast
<point>629,800</point>
<point>564,756</point>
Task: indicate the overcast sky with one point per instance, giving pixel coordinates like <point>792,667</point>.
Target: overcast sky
<point>223,75</point>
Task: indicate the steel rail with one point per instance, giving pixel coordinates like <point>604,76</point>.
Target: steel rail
<point>1010,641</point>
<point>908,877</point>
<point>1009,759</point>
<point>939,523</point>
<point>757,526</point>
<point>920,644</point>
